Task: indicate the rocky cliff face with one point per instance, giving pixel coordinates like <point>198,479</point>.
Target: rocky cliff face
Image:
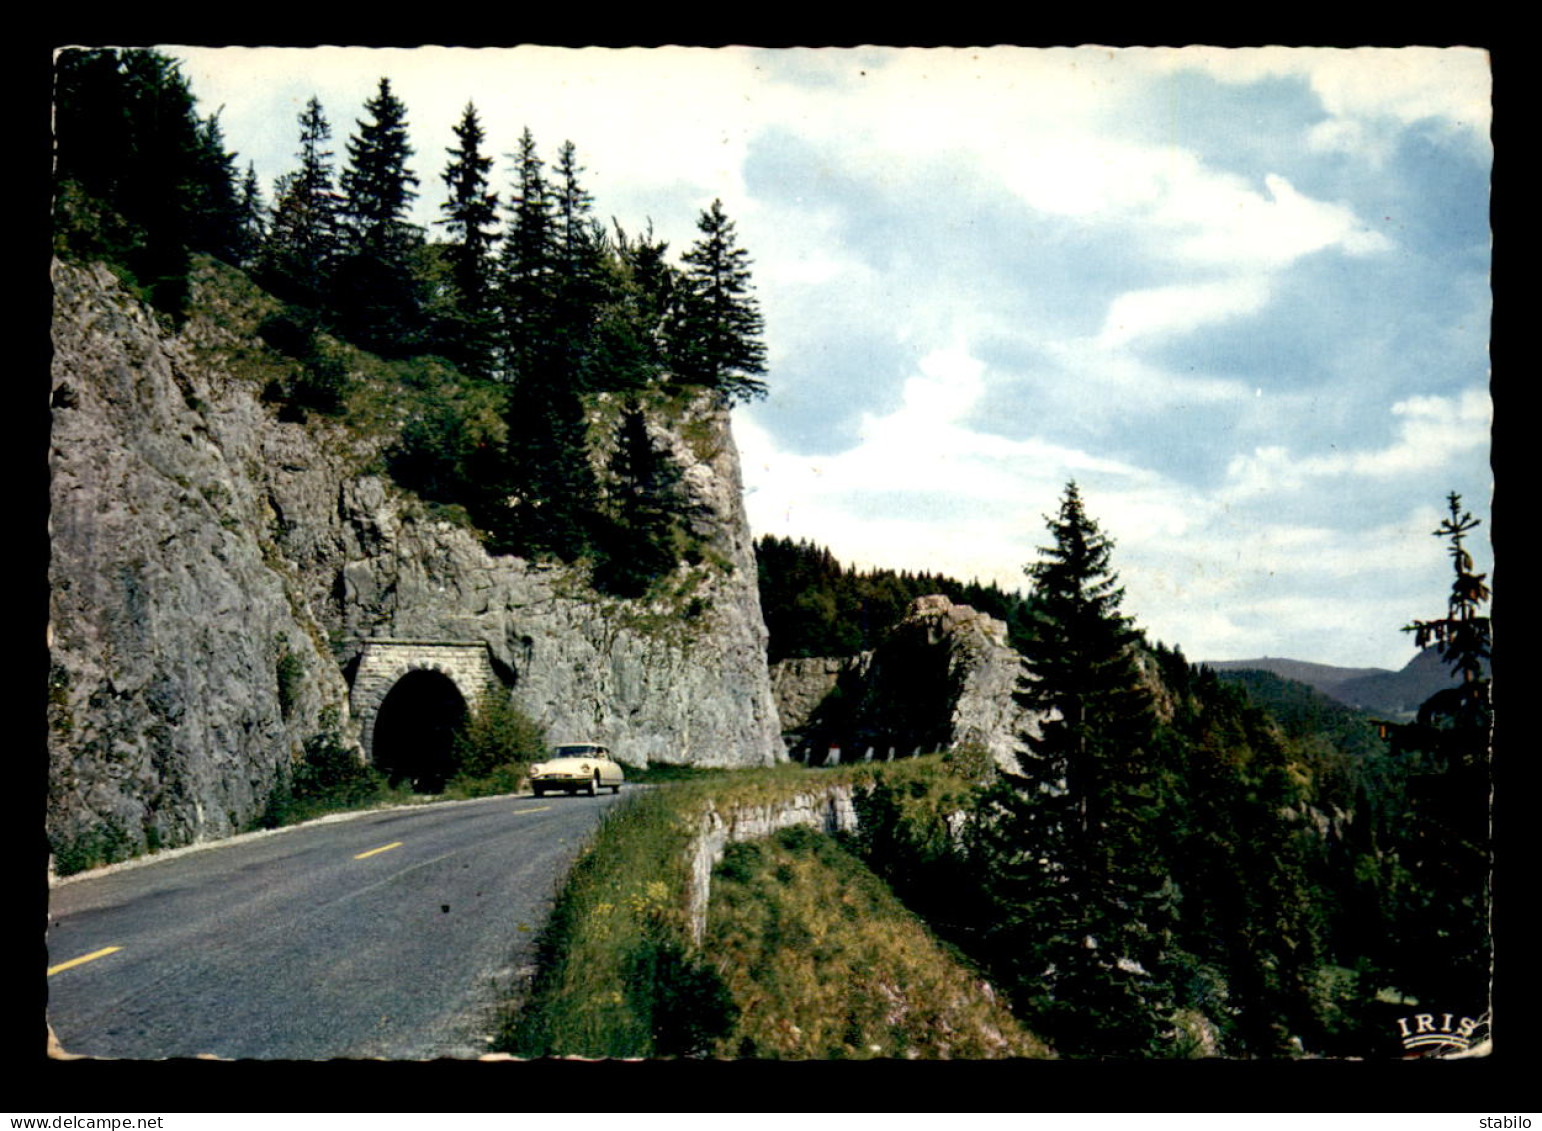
<point>943,677</point>
<point>214,572</point>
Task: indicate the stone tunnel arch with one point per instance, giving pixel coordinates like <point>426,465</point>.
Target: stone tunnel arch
<point>409,695</point>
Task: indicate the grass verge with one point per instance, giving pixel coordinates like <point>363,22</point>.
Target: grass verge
<point>619,975</point>
<point>824,962</point>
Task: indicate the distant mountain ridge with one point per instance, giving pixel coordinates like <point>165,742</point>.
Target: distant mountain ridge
<point>1394,695</point>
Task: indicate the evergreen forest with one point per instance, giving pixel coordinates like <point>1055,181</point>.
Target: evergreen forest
<point>814,606</point>
<point>516,316</point>
<point>1188,864</point>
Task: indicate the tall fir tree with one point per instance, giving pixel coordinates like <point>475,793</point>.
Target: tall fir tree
<point>1444,848</point>
<point>253,212</point>
<point>377,184</point>
<point>1464,639</point>
<point>528,266</point>
<point>471,215</point>
<point>551,478</point>
<point>142,179</point>
<point>304,239</point>
<point>716,335</point>
<point>214,199</point>
<point>377,295</point>
<point>1084,909</point>
<point>580,278</point>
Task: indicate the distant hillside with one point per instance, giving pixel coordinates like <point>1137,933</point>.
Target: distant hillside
<point>1305,713</point>
<point>1320,676</point>
<point>1386,694</point>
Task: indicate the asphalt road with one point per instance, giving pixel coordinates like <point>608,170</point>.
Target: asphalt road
<point>387,935</point>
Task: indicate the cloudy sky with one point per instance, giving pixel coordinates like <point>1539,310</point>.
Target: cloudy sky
<point>1241,297</point>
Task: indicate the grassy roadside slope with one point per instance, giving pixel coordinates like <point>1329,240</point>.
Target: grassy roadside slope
<point>823,962</point>
<point>808,953</point>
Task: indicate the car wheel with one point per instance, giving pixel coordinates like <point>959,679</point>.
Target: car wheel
<point>616,788</point>
<point>538,791</point>
<point>593,784</point>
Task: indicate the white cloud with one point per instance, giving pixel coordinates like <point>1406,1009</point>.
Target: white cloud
<point>1209,217</point>
<point>991,491</point>
<point>1223,222</point>
<point>1408,84</point>
<point>1179,308</point>
<point>1222,580</point>
<point>1432,433</point>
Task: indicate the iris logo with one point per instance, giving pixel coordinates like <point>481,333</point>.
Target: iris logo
<point>1421,1034</point>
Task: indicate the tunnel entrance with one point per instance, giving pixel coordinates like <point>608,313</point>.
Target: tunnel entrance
<point>414,731</point>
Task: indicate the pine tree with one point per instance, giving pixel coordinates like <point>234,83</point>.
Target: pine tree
<point>1083,667</point>
<point>1463,638</point>
<point>304,237</point>
<point>574,210</point>
<point>377,295</point>
<point>1444,832</point>
<point>377,185</point>
<point>213,197</point>
<point>253,212</point>
<point>549,472</point>
<point>528,266</point>
<point>471,215</point>
<point>637,542</point>
<point>143,179</point>
<point>716,336</point>
<point>1083,909</point>
<point>579,280</point>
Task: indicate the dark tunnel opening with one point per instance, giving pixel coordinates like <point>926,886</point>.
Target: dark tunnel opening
<point>414,736</point>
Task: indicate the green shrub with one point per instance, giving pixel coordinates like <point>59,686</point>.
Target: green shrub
<point>320,384</point>
<point>327,778</point>
<point>331,771</point>
<point>511,777</point>
<point>290,672</point>
<point>104,843</point>
<point>498,738</point>
<point>291,331</point>
<point>449,449</point>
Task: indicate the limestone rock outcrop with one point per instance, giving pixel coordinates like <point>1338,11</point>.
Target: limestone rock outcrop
<point>214,572</point>
<point>830,809</point>
<point>802,685</point>
<point>943,677</point>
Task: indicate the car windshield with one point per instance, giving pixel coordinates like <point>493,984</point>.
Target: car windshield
<point>580,751</point>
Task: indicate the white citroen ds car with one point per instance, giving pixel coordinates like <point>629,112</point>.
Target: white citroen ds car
<point>577,767</point>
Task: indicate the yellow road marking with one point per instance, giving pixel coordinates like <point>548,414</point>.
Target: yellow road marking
<point>382,848</point>
<point>542,809</point>
<point>92,957</point>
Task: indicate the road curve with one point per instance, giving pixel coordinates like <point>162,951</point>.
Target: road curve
<point>390,935</point>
